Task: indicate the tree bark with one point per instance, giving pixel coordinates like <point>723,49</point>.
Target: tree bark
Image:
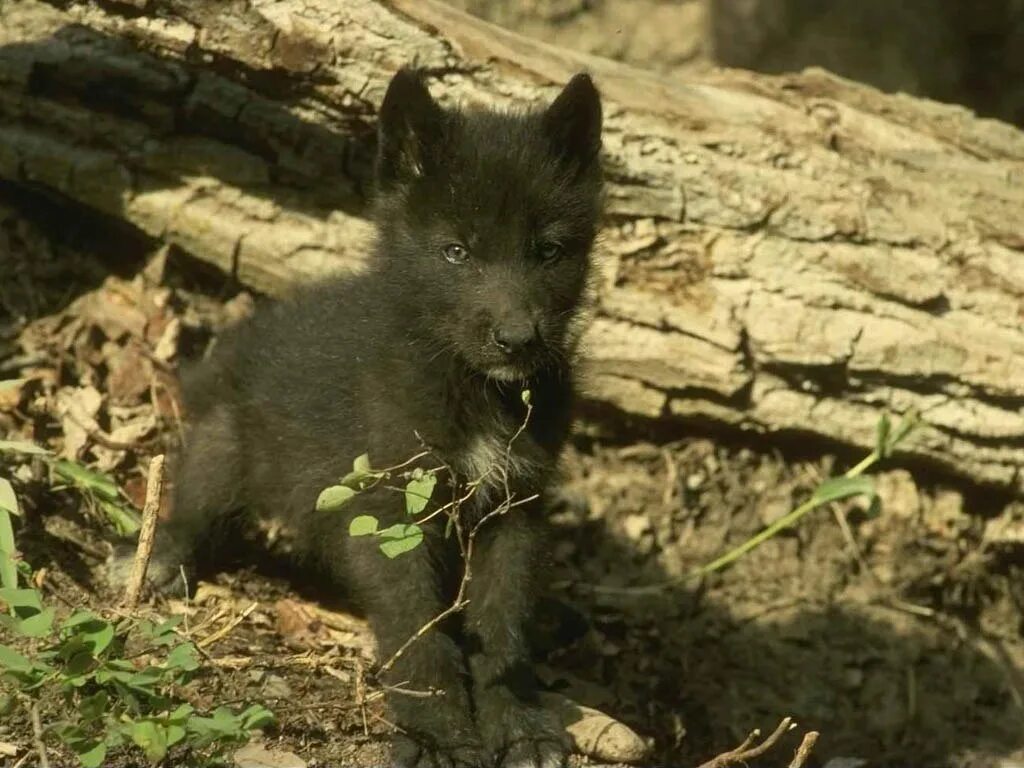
<point>781,255</point>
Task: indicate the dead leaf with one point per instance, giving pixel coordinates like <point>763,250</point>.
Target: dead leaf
<point>115,310</point>
<point>135,489</point>
<point>153,272</point>
<point>132,432</point>
<point>130,375</point>
<point>207,593</point>
<point>78,408</point>
<point>298,622</point>
<point>11,391</point>
<point>167,346</point>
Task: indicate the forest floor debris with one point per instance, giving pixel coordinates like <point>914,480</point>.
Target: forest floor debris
<point>898,637</point>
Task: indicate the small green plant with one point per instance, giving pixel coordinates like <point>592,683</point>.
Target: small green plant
<point>98,489</point>
<point>419,486</point>
<point>851,483</point>
<point>418,490</point>
<point>120,678</point>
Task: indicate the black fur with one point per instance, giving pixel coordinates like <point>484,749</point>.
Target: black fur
<point>418,348</point>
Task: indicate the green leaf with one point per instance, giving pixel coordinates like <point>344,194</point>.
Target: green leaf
<point>175,733</point>
<point>8,566</point>
<point>882,431</point>
<point>400,538</point>
<point>78,618</point>
<point>361,473</point>
<point>93,707</point>
<point>85,479</point>
<point>91,754</point>
<point>526,396</point>
<point>22,446</point>
<point>95,633</point>
<point>183,657</point>
<point>910,421</point>
<point>21,599</point>
<point>418,492</point>
<point>78,669</point>
<point>12,661</point>
<point>362,525</point>
<point>223,726</point>
<point>256,717</point>
<point>334,498</point>
<point>8,500</point>
<point>151,737</point>
<point>837,488</point>
<point>162,633</point>
<point>39,625</point>
<point>90,750</point>
<point>168,626</point>
<point>181,714</point>
<point>126,521</point>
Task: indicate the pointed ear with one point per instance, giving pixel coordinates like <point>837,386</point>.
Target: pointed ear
<point>409,130</point>
<point>573,121</point>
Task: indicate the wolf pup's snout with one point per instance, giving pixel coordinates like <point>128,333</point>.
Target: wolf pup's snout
<point>515,335</point>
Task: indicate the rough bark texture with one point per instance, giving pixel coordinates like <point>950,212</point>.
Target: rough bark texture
<point>780,254</point>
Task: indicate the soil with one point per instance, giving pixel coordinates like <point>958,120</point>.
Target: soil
<point>897,636</point>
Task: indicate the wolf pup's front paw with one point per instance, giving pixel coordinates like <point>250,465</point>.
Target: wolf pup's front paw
<point>409,753</point>
<point>163,573</point>
<point>521,735</point>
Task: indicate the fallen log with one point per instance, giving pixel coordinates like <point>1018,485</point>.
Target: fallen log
<point>780,254</point>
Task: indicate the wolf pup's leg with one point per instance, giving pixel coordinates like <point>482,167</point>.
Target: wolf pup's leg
<point>401,596</point>
<point>516,730</point>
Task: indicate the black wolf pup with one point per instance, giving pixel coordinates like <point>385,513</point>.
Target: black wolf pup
<point>485,225</point>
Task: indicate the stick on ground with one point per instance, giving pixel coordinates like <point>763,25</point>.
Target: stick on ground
<point>750,749</point>
<point>804,750</point>
<point>150,512</point>
<point>37,736</point>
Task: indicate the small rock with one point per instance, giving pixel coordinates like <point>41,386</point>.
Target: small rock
<point>258,756</point>
<point>595,734</point>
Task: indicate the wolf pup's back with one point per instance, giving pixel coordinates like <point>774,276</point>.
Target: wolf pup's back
<point>485,224</point>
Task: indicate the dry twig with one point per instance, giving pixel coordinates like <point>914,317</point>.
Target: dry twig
<point>150,512</point>
<point>37,735</point>
<point>224,631</point>
<point>749,749</point>
<point>804,750</point>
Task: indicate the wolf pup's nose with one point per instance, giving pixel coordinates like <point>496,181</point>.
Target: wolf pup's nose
<point>514,336</point>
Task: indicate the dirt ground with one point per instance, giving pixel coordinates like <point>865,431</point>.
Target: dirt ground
<point>898,637</point>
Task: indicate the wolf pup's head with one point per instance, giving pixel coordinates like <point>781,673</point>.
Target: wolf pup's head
<point>486,221</point>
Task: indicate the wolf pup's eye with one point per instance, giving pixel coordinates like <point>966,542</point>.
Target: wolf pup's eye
<point>455,253</point>
<point>549,251</point>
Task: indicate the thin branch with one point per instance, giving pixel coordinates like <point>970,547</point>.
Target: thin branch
<point>803,752</point>
<point>224,631</point>
<point>150,513</point>
<point>37,735</point>
<point>748,750</point>
<point>455,607</point>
